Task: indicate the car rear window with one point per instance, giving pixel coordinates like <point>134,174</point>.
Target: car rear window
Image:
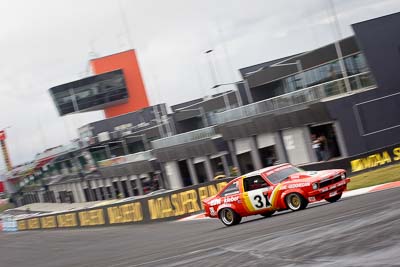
<point>231,190</point>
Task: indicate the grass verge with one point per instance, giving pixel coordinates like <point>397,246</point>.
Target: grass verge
<point>6,207</point>
<point>375,177</point>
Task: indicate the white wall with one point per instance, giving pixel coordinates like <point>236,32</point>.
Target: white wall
<point>173,175</point>
<point>296,143</point>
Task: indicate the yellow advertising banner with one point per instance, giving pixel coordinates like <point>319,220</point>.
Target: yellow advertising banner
<point>375,160</point>
<point>91,217</point>
<point>33,223</point>
<point>131,212</point>
<point>48,222</point>
<point>181,203</point>
<point>67,220</point>
<point>168,205</point>
<point>22,225</point>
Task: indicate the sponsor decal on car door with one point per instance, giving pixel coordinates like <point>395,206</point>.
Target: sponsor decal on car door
<point>262,198</point>
<point>257,199</point>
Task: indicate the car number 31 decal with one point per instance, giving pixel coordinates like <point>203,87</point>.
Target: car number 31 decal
<point>259,199</point>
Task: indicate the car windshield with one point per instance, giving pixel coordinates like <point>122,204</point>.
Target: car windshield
<point>281,175</point>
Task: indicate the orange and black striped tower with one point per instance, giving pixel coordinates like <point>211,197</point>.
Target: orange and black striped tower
<point>5,150</point>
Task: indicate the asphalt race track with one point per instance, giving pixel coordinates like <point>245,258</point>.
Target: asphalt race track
<point>357,231</point>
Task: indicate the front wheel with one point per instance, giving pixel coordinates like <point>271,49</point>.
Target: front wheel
<point>296,202</point>
<point>334,199</point>
<point>229,217</point>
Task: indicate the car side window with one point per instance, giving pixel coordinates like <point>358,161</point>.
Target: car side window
<point>253,183</point>
<point>231,190</point>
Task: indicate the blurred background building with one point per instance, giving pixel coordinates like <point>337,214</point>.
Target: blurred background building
<point>346,92</point>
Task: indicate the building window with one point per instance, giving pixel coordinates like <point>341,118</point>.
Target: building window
<point>354,64</point>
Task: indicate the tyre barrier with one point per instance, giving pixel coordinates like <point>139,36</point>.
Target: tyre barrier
<point>167,206</point>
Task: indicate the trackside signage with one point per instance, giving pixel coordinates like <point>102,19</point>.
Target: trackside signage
<point>126,213</point>
<point>9,224</point>
<point>167,206</point>
<point>181,203</point>
<point>375,160</point>
<point>363,162</point>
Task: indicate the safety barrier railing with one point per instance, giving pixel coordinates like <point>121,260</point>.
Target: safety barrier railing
<point>314,93</point>
<point>177,139</point>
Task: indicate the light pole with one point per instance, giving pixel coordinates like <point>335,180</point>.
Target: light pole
<point>338,48</point>
<point>211,66</point>
<point>213,71</point>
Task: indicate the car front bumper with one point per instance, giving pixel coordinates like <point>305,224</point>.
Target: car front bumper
<point>328,191</point>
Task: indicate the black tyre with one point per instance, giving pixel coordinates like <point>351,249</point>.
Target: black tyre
<point>295,202</point>
<point>267,213</point>
<point>229,217</point>
<point>334,199</point>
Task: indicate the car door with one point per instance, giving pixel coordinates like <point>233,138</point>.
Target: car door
<point>255,194</point>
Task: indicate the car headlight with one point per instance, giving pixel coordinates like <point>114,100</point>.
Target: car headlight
<point>343,175</point>
<point>315,186</point>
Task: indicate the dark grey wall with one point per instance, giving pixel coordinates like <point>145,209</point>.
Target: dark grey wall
<point>188,125</point>
<point>379,40</point>
<point>187,104</point>
<point>267,91</point>
<point>370,120</point>
<point>344,110</point>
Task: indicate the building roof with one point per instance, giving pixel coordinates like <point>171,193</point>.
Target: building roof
<point>256,67</point>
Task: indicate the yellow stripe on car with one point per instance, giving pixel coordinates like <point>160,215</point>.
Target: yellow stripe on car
<point>274,196</point>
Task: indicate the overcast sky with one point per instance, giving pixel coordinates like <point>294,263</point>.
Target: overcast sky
<point>44,43</point>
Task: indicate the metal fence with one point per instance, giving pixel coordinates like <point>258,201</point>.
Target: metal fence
<point>184,137</point>
<point>314,93</point>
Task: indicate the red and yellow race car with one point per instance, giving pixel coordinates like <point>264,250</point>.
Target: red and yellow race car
<point>273,189</point>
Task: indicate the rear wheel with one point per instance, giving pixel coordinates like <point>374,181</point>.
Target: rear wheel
<point>334,199</point>
<point>229,217</point>
<point>295,201</point>
<point>267,213</point>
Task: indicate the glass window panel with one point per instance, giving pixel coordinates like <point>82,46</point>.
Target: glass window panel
<point>298,82</point>
<point>361,63</point>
